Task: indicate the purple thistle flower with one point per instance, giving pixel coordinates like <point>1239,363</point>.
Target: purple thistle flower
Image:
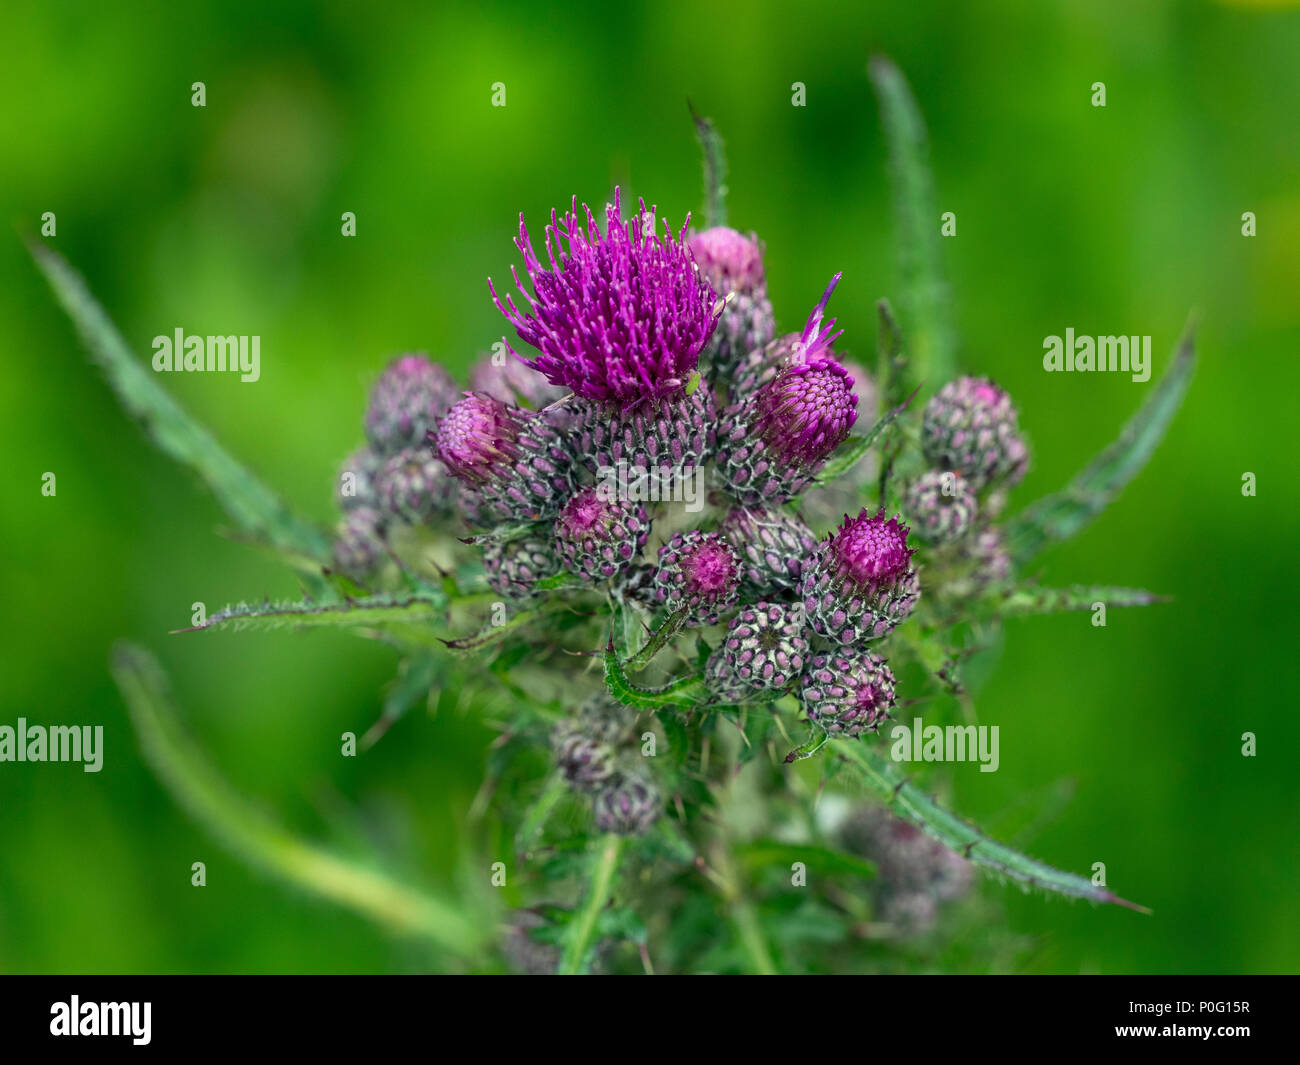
<point>629,806</point>
<point>868,551</point>
<point>619,317</point>
<point>970,425</point>
<point>762,654</point>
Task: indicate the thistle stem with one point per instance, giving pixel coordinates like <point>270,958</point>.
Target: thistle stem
<point>584,922</point>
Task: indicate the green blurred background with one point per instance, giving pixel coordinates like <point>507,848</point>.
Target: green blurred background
<point>226,219</point>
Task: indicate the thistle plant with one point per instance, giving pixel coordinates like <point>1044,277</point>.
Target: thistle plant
<point>674,685</point>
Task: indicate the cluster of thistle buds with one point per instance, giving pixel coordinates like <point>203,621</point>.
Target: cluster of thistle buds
<point>654,350</point>
<point>593,752</point>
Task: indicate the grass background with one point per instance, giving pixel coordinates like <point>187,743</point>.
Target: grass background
<point>226,219</point>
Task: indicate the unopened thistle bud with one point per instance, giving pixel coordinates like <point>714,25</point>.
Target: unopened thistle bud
<point>861,582</point>
<point>846,693</point>
<point>356,479</point>
<point>774,546</point>
<point>699,572</point>
<point>599,538</point>
<point>586,761</point>
<point>941,506</point>
<point>412,486</point>
<point>513,567</point>
<point>511,462</point>
<point>732,263</point>
<point>970,426</point>
<point>762,654</point>
<point>359,544</point>
<point>630,805</point>
<point>410,396</point>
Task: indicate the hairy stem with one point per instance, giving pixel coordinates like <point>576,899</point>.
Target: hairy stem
<point>583,929</point>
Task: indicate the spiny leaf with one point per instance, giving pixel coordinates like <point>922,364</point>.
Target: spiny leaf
<point>257,839</point>
<point>844,458</point>
<point>909,802</point>
<point>371,611</point>
<point>715,170</point>
<point>1024,601</point>
<point>253,507</point>
<point>1060,516</point>
<point>491,633</point>
<point>925,291</point>
<point>684,691</point>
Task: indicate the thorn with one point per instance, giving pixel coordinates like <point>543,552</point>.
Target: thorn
<point>1136,907</point>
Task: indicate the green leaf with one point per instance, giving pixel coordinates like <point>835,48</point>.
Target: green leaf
<point>910,803</point>
<point>926,300</point>
<point>254,508</point>
<point>684,691</point>
<point>857,446</point>
<point>1021,602</point>
<point>1060,516</point>
<point>370,612</point>
<point>715,170</point>
<point>256,838</point>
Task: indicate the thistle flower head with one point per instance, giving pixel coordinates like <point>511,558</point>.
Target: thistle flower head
<point>731,261</point>
<point>848,692</point>
<point>698,570</point>
<point>476,437</point>
<point>410,395</point>
<point>619,316</point>
<point>970,425</point>
<point>599,537</point>
<point>806,411</point>
<point>942,506</point>
<point>868,551</point>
